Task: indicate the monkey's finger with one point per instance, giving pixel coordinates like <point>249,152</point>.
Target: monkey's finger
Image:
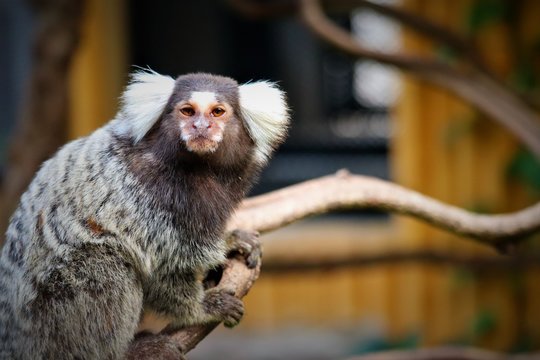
<point>227,291</point>
<point>244,247</point>
<point>234,317</point>
<point>254,258</point>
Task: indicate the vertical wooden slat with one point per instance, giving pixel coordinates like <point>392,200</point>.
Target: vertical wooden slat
<point>100,66</point>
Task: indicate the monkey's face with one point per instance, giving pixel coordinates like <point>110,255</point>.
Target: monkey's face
<point>203,119</point>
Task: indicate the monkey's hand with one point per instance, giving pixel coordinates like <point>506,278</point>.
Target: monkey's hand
<point>222,305</point>
<point>247,244</point>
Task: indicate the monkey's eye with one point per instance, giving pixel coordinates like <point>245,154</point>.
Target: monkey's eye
<point>217,112</point>
<point>187,111</point>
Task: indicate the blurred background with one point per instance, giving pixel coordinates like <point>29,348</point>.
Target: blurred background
<point>347,113</point>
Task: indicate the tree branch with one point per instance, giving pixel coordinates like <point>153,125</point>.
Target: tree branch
<point>170,344</point>
<point>236,276</point>
<point>344,191</point>
<point>444,353</point>
<point>425,28</point>
<point>475,87</point>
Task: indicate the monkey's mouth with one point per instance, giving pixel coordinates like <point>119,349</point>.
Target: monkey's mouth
<point>201,145</point>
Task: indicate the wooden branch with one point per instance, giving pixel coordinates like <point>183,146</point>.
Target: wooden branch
<point>41,129</point>
<point>486,94</point>
<point>444,353</point>
<point>236,276</point>
<point>345,191</point>
<point>170,344</point>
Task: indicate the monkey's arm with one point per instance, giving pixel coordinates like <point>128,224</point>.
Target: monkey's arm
<point>179,300</point>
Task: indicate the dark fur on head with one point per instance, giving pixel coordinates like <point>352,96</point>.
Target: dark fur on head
<point>179,179</point>
<point>164,139</point>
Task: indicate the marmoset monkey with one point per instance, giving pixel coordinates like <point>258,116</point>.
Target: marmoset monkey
<point>130,218</point>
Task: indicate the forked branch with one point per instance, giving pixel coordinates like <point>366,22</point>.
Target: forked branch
<point>474,86</point>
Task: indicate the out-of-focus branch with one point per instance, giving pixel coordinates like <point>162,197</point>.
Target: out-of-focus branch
<point>428,257</point>
<point>425,28</point>
<point>445,353</point>
<point>42,126</point>
<point>475,87</point>
<point>254,9</point>
<point>344,191</point>
<point>262,10</point>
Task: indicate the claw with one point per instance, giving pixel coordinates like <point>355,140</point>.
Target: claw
<point>224,306</point>
<point>247,244</point>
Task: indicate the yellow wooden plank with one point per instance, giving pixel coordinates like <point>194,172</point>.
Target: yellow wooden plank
<point>100,66</point>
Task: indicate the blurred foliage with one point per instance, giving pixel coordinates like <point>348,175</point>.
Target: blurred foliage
<point>524,77</point>
<point>458,128</point>
<point>410,341</point>
<point>483,323</point>
<point>486,12</point>
<point>525,168</point>
<point>523,344</point>
<point>446,53</point>
<point>462,277</point>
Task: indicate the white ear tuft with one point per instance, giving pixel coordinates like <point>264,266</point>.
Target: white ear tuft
<point>266,114</point>
<point>143,102</point>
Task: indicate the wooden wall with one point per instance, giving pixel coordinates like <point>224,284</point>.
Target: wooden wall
<point>100,66</point>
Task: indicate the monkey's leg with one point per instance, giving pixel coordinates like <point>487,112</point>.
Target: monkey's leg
<point>87,306</point>
<point>145,346</point>
<point>222,305</point>
<point>180,298</point>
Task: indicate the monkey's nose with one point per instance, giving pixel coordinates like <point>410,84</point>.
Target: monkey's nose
<point>198,126</point>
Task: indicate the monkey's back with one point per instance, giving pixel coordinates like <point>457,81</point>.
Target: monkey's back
<point>72,242</point>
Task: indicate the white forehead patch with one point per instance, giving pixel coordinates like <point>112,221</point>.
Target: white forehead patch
<point>203,99</point>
